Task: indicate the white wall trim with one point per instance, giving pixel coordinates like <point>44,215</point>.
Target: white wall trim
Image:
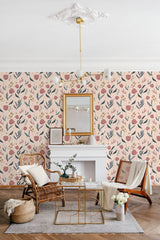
<point>72,64</point>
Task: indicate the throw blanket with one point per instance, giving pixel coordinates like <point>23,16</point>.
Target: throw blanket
<point>11,204</point>
<point>136,175</point>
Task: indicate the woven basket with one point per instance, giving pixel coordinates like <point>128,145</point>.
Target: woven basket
<point>71,179</point>
<point>23,213</point>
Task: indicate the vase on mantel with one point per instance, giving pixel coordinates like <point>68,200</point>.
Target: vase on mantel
<point>120,212</point>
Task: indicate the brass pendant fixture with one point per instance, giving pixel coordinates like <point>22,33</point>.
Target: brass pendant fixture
<point>70,16</point>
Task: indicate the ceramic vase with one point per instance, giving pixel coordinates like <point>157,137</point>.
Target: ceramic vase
<point>73,174</point>
<point>65,175</point>
<point>120,212</point>
<point>91,140</point>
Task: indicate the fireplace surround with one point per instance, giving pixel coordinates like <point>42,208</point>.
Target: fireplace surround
<point>90,161</point>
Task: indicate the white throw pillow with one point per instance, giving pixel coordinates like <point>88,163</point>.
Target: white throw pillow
<point>24,170</point>
<point>39,175</point>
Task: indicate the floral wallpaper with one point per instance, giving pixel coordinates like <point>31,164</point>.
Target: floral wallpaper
<point>126,117</point>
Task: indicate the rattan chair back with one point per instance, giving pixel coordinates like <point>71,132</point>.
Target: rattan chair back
<point>31,158</point>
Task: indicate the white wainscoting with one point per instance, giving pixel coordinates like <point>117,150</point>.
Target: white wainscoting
<point>90,160</point>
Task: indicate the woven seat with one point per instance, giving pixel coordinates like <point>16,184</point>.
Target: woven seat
<point>48,192</point>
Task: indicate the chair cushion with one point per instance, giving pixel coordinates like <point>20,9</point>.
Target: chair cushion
<point>39,175</point>
<point>24,170</point>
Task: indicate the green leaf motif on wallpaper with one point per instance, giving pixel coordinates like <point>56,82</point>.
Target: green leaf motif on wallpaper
<point>17,104</point>
<point>133,133</point>
<point>99,127</point>
<point>130,96</point>
<point>140,104</point>
<point>109,165</point>
<point>46,136</point>
<point>10,133</point>
<point>47,74</point>
<point>41,102</point>
<point>109,135</point>
<point>139,74</point>
<point>7,96</point>
<point>8,127</point>
<point>17,134</point>
<point>17,74</point>
<point>48,104</point>
<point>119,134</point>
<point>130,127</point>
<point>133,102</point>
<point>8,158</point>
<point>38,127</point>
<point>109,104</point>
<point>153,171</point>
<point>140,135</point>
<point>154,140</point>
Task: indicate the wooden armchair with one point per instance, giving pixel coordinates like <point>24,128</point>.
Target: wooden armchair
<point>122,176</point>
<point>48,192</point>
<point>121,179</point>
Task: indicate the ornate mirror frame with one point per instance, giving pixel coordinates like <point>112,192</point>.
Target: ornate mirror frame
<point>82,133</point>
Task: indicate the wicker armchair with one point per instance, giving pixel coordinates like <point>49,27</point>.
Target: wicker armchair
<point>48,192</point>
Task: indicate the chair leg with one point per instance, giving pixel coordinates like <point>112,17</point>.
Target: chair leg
<point>63,202</point>
<point>37,207</point>
<point>97,199</point>
<point>126,205</point>
<point>147,197</point>
<point>24,192</point>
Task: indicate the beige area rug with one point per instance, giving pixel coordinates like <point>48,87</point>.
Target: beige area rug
<point>44,222</point>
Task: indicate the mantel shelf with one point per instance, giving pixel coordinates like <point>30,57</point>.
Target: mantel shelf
<point>66,146</point>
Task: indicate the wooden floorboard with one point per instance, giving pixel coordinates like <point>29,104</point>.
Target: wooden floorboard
<point>147,216</point>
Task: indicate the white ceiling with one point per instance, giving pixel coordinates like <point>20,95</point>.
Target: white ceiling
<point>128,40</point>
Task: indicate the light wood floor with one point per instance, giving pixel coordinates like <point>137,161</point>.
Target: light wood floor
<point>148,218</point>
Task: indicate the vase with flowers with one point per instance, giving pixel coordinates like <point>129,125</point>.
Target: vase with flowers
<point>69,164</point>
<point>120,199</point>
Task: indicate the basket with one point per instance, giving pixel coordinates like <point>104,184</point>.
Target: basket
<point>23,213</point>
<point>71,179</point>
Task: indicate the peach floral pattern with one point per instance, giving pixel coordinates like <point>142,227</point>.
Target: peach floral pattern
<point>126,117</point>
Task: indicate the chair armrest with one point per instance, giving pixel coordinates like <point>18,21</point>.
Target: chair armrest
<point>50,171</point>
<point>31,180</point>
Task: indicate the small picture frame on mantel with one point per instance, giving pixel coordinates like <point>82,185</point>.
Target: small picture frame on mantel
<point>55,136</point>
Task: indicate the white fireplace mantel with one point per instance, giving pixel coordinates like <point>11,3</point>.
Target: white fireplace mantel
<point>90,160</point>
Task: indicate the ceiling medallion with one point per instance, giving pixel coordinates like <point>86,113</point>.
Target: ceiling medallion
<point>79,15</point>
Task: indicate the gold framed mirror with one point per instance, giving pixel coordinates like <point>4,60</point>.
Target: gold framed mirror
<point>78,114</point>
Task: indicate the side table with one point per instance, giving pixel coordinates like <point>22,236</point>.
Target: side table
<point>79,212</point>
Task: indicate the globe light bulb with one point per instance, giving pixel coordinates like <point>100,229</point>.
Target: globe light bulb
<point>84,82</point>
<point>55,80</point>
<point>106,73</point>
<point>79,73</point>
